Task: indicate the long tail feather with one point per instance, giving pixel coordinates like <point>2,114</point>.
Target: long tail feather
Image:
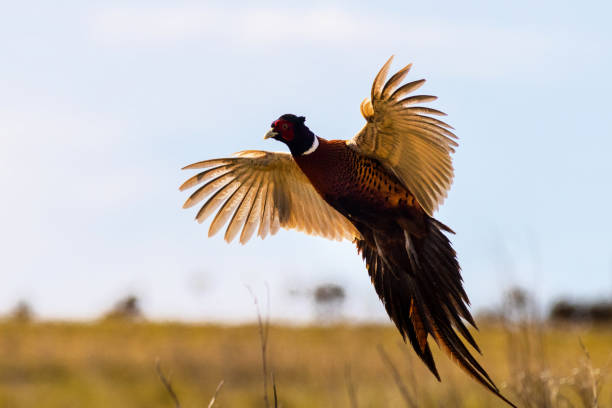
<point>418,280</point>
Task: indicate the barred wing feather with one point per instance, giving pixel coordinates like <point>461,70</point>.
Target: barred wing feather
<point>258,191</point>
<point>406,139</point>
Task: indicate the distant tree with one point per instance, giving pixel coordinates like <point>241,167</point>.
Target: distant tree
<point>328,299</point>
<point>599,311</point>
<point>127,309</point>
<point>566,310</point>
<point>22,312</point>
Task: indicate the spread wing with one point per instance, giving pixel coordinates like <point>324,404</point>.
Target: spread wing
<point>263,191</point>
<point>406,139</point>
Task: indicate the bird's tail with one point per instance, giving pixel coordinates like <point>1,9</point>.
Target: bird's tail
<point>418,280</point>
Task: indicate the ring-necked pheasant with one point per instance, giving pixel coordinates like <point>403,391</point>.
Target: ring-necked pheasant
<point>378,189</point>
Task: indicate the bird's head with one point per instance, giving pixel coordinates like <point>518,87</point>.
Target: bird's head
<point>292,131</point>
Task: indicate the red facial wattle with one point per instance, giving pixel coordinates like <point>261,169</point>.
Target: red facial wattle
<point>284,129</point>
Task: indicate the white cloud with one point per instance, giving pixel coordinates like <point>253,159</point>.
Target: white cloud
<point>477,48</point>
<point>172,25</point>
<point>128,25</point>
<point>325,26</point>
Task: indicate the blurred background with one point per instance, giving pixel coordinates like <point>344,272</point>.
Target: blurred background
<point>102,103</point>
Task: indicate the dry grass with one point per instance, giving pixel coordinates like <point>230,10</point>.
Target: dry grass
<point>113,364</point>
<point>537,383</point>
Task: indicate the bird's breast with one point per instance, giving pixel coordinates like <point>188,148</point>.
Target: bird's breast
<point>353,184</point>
<point>328,167</point>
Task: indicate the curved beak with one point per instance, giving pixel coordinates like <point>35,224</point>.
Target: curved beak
<point>270,134</point>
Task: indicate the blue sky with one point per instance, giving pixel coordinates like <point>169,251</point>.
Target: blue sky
<point>101,104</point>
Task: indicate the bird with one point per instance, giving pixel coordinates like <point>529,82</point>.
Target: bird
<point>380,190</point>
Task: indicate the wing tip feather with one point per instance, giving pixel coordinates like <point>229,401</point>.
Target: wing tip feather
<point>186,185</point>
<point>199,165</point>
<point>379,80</point>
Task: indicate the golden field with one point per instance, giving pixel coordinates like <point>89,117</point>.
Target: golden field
<point>112,364</point>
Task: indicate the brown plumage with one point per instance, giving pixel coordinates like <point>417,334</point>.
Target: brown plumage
<point>379,190</point>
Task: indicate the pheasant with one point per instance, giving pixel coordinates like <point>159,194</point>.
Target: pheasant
<point>379,190</point>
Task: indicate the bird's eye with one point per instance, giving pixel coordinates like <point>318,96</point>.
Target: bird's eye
<point>285,126</point>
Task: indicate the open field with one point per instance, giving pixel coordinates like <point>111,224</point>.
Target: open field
<point>112,364</point>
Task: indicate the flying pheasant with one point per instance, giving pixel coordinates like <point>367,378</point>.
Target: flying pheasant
<point>379,190</point>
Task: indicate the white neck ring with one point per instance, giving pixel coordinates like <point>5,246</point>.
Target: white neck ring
<point>314,146</point>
